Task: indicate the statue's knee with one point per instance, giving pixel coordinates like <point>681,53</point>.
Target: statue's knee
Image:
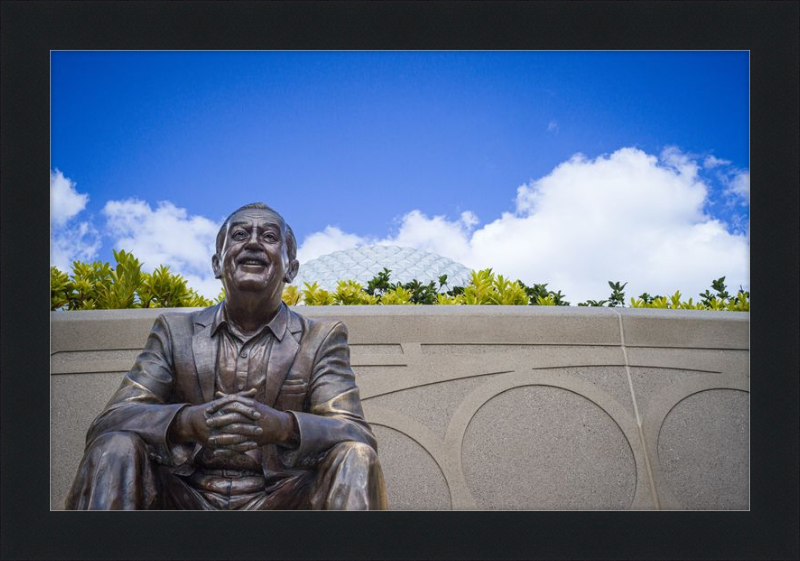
<point>117,445</point>
<point>355,452</point>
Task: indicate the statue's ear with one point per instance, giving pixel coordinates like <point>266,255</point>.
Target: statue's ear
<point>291,271</point>
<point>216,266</point>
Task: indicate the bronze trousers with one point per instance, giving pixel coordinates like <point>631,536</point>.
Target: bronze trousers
<point>116,473</point>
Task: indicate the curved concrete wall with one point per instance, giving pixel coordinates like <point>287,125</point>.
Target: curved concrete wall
<point>490,407</point>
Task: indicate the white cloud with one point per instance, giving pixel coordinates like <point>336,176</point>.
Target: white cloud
<point>712,162</point>
<point>69,241</point>
<point>552,126</point>
<point>739,185</point>
<point>79,242</point>
<point>329,240</point>
<point>628,216</point>
<point>437,234</point>
<point>684,164</point>
<point>65,201</point>
<point>166,235</point>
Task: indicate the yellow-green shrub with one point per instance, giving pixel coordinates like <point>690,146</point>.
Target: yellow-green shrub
<point>98,285</point>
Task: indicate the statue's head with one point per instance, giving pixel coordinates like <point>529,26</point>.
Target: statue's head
<point>256,252</point>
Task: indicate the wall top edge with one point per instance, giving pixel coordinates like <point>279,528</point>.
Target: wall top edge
<point>436,311</point>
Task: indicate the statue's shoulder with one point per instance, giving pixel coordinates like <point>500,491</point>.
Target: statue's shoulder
<point>313,329</point>
<point>179,320</point>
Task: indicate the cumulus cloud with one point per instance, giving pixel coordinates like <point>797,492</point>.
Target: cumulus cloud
<point>166,235</point>
<point>552,126</point>
<point>628,216</point>
<point>78,242</point>
<point>329,240</point>
<point>70,240</point>
<point>739,186</point>
<point>435,234</point>
<point>712,162</point>
<point>65,201</point>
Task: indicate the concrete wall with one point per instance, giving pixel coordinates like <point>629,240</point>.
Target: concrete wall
<point>489,407</point>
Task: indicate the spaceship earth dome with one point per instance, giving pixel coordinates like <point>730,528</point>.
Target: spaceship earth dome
<point>364,262</point>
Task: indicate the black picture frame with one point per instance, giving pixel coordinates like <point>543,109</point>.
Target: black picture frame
<point>30,30</point>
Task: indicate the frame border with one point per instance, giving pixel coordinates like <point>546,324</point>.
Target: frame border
<point>768,29</point>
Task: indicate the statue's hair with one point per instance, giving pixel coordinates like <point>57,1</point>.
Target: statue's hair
<point>291,243</point>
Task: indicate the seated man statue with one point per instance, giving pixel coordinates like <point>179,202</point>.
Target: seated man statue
<point>243,405</point>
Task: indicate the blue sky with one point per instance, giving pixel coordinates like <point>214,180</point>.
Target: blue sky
<point>469,154</point>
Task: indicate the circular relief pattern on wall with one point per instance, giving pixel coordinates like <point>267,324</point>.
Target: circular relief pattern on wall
<point>546,448</point>
<point>413,479</point>
<point>703,449</point>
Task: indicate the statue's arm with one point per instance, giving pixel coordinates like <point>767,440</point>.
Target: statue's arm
<point>334,413</point>
<point>142,403</point>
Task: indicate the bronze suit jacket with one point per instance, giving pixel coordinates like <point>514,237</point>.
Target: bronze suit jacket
<point>308,374</point>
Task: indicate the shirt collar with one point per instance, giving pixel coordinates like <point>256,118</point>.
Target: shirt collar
<point>277,325</point>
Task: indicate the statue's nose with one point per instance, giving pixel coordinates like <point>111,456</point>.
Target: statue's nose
<point>252,241</point>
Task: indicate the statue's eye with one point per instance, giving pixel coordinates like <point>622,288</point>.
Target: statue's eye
<point>239,235</point>
<point>270,236</point>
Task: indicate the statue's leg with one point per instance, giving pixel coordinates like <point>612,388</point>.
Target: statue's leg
<point>349,478</point>
<point>115,474</point>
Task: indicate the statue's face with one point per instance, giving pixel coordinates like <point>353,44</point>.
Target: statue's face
<point>253,255</point>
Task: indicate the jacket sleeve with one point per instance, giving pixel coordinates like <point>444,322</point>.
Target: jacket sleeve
<point>141,404</point>
<point>334,412</point>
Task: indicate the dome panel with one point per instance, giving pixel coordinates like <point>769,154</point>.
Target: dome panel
<point>363,263</point>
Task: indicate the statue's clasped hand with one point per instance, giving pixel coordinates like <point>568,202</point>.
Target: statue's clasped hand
<point>235,423</point>
<point>239,423</point>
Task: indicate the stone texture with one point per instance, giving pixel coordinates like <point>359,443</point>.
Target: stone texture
<point>649,382</point>
<point>432,405</point>
<point>419,368</point>
<point>536,356</point>
<point>369,350</point>
<point>703,449</point>
<point>71,362</point>
<point>542,448</point>
<point>75,400</point>
<point>557,325</point>
<point>413,480</point>
<point>102,329</point>
<point>611,379</point>
<point>732,362</point>
<point>690,329</point>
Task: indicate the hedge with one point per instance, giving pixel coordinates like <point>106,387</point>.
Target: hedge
<point>98,285</point>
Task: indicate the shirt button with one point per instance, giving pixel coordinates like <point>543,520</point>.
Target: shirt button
<point>243,354</point>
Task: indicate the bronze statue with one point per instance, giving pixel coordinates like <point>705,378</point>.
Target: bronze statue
<point>244,405</point>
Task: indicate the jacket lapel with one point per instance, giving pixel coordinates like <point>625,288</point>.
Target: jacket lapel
<point>281,357</point>
<point>204,348</point>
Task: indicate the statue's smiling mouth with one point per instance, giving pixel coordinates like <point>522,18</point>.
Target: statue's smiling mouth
<point>250,261</point>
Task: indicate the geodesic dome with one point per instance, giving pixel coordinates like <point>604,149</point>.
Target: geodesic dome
<point>363,263</point>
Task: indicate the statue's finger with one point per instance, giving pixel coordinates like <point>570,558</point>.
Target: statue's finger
<point>242,399</point>
<point>241,428</point>
<point>221,419</point>
<point>237,407</point>
<point>223,452</point>
<point>215,405</point>
<point>234,448</point>
<point>243,446</point>
<point>248,393</point>
<point>226,439</point>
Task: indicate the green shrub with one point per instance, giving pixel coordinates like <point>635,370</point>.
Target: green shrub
<point>98,285</point>
<point>398,296</point>
<point>313,295</point>
<point>351,293</point>
<point>291,295</point>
